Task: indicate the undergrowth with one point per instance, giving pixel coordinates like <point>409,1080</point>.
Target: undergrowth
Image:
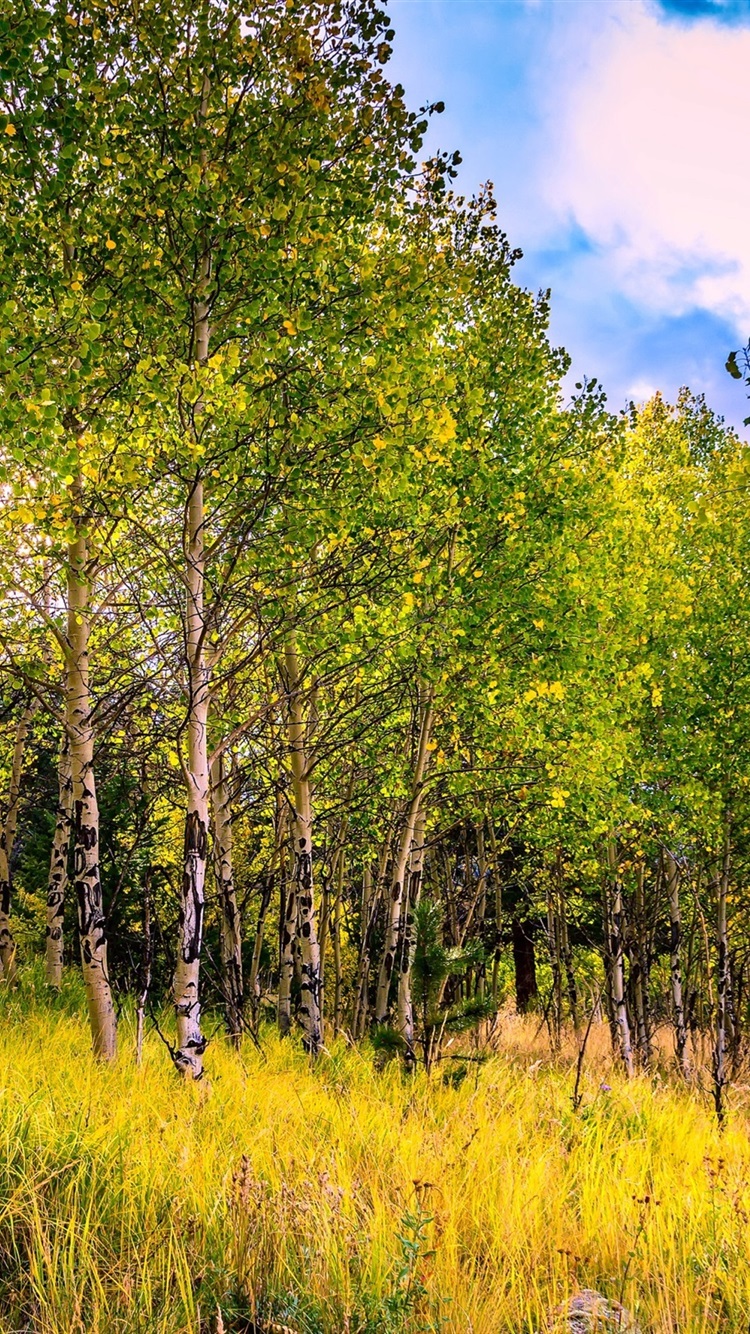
<point>347,1197</point>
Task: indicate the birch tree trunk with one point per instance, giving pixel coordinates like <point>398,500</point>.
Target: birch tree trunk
<point>484,871</point>
<point>336,931</point>
<point>406,953</point>
<point>145,971</point>
<point>307,940</point>
<point>675,964</point>
<point>231,926</point>
<point>640,977</point>
<point>617,958</point>
<point>287,935</point>
<point>88,889</point>
<point>191,1044</point>
<point>400,864</point>
<point>371,897</point>
<point>722,981</point>
<point>570,977</point>
<point>58,867</point>
<point>497,885</point>
<point>7,839</point>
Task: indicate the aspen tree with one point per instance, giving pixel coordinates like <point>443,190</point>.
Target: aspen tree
<point>301,822</point>
<point>58,867</point>
<point>617,957</point>
<point>722,977</point>
<point>86,874</point>
<point>7,839</point>
<point>231,934</point>
<point>675,962</point>
<point>412,896</point>
<point>401,859</point>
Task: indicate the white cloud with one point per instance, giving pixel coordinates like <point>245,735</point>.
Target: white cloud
<point>641,391</point>
<point>649,154</point>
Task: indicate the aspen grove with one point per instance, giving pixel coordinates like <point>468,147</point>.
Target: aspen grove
<point>354,679</point>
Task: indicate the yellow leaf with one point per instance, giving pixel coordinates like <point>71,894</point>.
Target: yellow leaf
<point>110,244</point>
<point>290,328</point>
<point>10,130</point>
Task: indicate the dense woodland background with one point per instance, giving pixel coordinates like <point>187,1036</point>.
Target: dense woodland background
<point>351,678</point>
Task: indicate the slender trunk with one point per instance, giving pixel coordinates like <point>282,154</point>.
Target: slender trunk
<point>307,939</point>
<point>524,964</point>
<point>482,905</point>
<point>371,899</point>
<point>145,977</point>
<point>323,923</point>
<point>7,839</point>
<point>231,926</point>
<point>497,952</point>
<point>88,889</point>
<point>408,942</point>
<point>287,926</point>
<point>58,867</point>
<point>399,869</point>
<point>553,945</point>
<point>191,1043</point>
<point>287,946</point>
<point>359,1016</point>
<point>608,972</point>
<point>337,916</point>
<point>617,957</point>
<point>570,977</point>
<point>640,971</point>
<point>722,981</point>
<point>253,983</point>
<point>675,964</point>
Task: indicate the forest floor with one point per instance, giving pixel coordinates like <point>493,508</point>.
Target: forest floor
<point>346,1198</point>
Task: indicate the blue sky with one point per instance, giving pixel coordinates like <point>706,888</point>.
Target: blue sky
<point>615,134</point>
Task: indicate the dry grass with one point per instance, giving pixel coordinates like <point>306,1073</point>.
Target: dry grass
<point>277,1192</point>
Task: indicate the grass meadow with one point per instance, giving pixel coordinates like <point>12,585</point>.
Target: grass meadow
<point>342,1197</point>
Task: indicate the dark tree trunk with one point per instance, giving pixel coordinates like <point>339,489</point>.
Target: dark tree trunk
<point>524,962</point>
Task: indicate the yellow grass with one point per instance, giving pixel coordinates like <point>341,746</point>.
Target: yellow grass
<point>132,1202</point>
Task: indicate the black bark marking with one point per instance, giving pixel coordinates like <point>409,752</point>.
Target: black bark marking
<point>191,906</point>
<point>196,836</point>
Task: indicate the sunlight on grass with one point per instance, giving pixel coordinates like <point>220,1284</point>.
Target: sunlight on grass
<point>299,1196</point>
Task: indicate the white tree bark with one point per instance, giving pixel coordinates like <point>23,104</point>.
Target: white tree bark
<point>58,866</point>
<point>307,939</point>
<point>188,1056</point>
<point>231,927</point>
<point>408,941</point>
<point>287,930</point>
<point>88,888</point>
<point>617,955</point>
<point>191,1044</point>
<point>8,961</point>
<point>388,958</point>
<point>675,964</point>
<point>722,990</point>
